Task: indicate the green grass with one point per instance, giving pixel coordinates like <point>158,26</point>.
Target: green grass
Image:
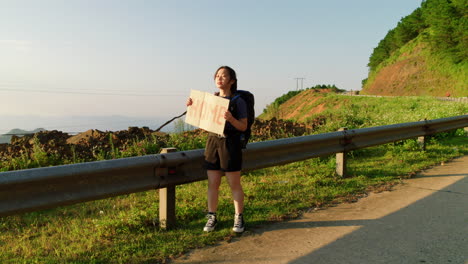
<point>359,112</point>
<point>124,230</point>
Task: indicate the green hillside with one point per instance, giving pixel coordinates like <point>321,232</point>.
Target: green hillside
<point>328,111</point>
<point>425,54</point>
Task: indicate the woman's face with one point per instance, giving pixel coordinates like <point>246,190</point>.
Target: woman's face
<point>223,80</point>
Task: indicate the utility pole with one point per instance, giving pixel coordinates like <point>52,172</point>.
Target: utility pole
<point>297,83</point>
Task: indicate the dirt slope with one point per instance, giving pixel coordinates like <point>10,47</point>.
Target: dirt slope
<point>292,108</point>
<point>303,106</point>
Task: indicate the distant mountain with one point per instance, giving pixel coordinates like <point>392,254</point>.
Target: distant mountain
<point>76,124</point>
<point>5,138</point>
<point>18,131</point>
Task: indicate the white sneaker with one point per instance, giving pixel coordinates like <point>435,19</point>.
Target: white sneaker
<point>238,223</point>
<point>211,223</point>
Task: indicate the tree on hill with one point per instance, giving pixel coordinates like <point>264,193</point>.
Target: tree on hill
<point>407,29</point>
<point>444,24</point>
<point>449,26</point>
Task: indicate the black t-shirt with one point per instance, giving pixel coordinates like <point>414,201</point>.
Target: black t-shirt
<point>241,112</point>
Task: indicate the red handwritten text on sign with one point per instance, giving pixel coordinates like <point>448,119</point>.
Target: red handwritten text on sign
<point>207,111</point>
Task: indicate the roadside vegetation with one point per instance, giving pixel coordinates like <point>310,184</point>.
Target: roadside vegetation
<point>124,229</point>
<point>330,111</point>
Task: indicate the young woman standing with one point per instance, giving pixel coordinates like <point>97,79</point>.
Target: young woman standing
<point>223,154</point>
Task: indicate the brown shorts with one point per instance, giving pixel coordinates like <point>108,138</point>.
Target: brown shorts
<point>223,153</point>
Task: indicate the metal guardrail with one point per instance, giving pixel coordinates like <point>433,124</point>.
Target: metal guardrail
<point>450,99</point>
<point>454,99</point>
<point>40,188</point>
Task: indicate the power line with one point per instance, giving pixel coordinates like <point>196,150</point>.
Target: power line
<point>86,93</point>
<point>21,87</point>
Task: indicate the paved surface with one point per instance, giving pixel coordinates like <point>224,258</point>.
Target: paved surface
<point>423,220</point>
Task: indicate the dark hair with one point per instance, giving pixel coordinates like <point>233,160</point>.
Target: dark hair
<point>232,75</point>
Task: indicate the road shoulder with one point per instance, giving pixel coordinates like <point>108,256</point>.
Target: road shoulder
<point>421,220</point>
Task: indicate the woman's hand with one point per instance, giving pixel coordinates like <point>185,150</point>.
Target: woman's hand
<point>228,116</point>
<point>189,102</point>
<point>240,124</point>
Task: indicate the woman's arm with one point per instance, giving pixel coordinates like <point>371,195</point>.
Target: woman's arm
<point>240,124</point>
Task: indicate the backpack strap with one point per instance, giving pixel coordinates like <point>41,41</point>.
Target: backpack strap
<point>235,97</point>
<point>233,105</point>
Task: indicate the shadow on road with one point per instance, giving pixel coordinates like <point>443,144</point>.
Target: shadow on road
<point>431,230</point>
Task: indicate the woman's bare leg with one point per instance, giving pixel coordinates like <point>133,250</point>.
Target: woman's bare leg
<point>236,189</point>
<point>214,180</point>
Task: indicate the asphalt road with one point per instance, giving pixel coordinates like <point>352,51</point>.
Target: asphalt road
<point>422,220</point>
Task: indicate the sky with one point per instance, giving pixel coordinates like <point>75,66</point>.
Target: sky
<point>71,64</point>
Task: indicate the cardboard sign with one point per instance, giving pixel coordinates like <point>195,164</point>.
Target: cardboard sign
<point>207,111</point>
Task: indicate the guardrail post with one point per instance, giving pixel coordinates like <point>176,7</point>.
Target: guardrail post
<point>341,159</point>
<point>167,198</point>
<point>466,128</point>
<point>422,139</point>
<point>422,142</point>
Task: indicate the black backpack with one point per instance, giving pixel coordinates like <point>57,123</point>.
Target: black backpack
<point>248,97</point>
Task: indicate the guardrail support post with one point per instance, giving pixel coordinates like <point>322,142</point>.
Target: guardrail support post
<point>466,128</point>
<point>422,139</point>
<point>167,198</point>
<point>341,160</point>
<point>422,142</point>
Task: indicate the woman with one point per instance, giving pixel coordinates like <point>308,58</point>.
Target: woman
<point>223,154</point>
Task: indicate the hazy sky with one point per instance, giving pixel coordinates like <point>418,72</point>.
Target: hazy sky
<point>140,58</point>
